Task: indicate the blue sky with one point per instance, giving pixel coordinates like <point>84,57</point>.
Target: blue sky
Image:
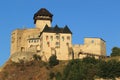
<point>85,18</point>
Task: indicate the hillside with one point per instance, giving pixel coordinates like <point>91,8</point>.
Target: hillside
<point>79,69</point>
<point>33,70</point>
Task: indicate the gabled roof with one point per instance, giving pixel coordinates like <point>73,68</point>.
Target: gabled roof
<point>56,29</point>
<point>66,30</point>
<point>42,12</point>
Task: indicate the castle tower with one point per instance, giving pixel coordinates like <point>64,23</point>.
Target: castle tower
<point>41,18</point>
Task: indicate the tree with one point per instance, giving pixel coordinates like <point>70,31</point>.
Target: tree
<point>115,51</point>
<point>109,69</point>
<point>80,70</point>
<point>58,76</point>
<point>53,61</point>
<point>90,60</point>
<point>36,57</point>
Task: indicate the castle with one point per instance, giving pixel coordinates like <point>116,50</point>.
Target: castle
<point>45,41</point>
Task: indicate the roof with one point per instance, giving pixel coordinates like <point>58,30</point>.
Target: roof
<point>42,12</point>
<point>96,38</point>
<point>56,29</point>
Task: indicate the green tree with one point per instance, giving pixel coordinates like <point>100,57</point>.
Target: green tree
<point>90,60</point>
<point>53,60</point>
<point>36,57</point>
<point>109,69</point>
<point>58,76</point>
<point>115,51</point>
<point>80,70</point>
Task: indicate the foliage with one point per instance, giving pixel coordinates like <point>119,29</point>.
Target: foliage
<point>89,68</point>
<point>36,57</point>
<point>80,70</point>
<point>58,76</point>
<point>52,75</point>
<point>90,60</point>
<point>53,61</point>
<point>110,69</point>
<point>115,51</point>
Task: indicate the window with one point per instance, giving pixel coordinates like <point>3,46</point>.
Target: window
<point>51,38</point>
<point>19,37</point>
<point>34,41</point>
<point>67,44</point>
<point>46,37</point>
<point>29,41</point>
<point>57,43</point>
<point>62,38</point>
<point>57,37</point>
<point>68,37</point>
<point>37,40</point>
<point>48,44</point>
<point>92,41</point>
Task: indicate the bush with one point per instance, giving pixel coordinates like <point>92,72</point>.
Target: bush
<point>109,69</point>
<point>36,57</point>
<point>52,75</point>
<point>58,76</point>
<point>53,61</point>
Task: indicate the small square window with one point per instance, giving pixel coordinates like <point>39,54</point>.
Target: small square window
<point>92,41</point>
<point>34,41</point>
<point>68,37</point>
<point>57,43</point>
<point>57,37</point>
<point>67,44</point>
<point>51,37</point>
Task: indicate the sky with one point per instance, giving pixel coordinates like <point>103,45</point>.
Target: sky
<point>85,18</point>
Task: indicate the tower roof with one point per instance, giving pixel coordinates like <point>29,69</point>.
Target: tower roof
<point>43,12</point>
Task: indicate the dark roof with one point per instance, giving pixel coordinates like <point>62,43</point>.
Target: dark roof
<point>42,12</point>
<point>56,29</point>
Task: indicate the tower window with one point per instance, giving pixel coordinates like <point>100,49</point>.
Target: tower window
<point>92,41</point>
<point>62,38</point>
<point>57,37</point>
<point>67,44</point>
<point>68,37</point>
<point>48,44</point>
<point>46,37</point>
<point>51,38</point>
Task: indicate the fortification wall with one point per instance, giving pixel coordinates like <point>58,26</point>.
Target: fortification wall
<point>19,39</point>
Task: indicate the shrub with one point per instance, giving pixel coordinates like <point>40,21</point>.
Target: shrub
<point>58,76</point>
<point>52,75</point>
<point>36,57</point>
<point>53,61</point>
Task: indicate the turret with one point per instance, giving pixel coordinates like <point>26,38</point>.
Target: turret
<point>41,18</point>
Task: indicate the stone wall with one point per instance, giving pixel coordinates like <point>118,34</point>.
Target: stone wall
<point>92,46</point>
<point>19,39</point>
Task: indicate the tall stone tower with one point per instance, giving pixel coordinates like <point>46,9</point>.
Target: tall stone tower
<point>41,18</point>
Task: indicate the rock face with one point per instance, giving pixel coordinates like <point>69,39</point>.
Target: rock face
<point>26,56</point>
